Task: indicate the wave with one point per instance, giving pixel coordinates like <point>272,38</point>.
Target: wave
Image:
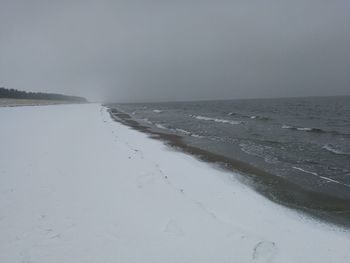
<point>188,133</point>
<point>308,129</point>
<point>333,181</point>
<point>203,118</point>
<point>160,126</point>
<point>332,149</point>
<point>157,111</point>
<point>305,171</point>
<point>260,118</point>
<point>183,131</point>
<point>259,151</point>
<point>304,129</point>
<point>256,117</point>
<point>147,121</point>
<point>330,180</point>
<point>197,136</point>
<point>298,128</point>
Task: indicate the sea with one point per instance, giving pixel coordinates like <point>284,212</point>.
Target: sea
<point>303,140</point>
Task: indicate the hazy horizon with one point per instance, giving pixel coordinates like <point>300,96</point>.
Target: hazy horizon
<point>132,51</point>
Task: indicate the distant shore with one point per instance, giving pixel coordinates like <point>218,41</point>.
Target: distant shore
<point>5,102</point>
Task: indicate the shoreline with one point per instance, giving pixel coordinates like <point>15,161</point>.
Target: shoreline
<point>9,102</point>
<point>332,209</point>
<point>77,186</point>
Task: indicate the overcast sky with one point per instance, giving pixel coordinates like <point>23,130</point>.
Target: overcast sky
<point>149,50</point>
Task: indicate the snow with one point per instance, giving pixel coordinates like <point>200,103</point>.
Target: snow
<point>76,186</point>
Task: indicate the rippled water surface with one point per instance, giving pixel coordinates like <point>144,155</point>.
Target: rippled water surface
<point>306,140</point>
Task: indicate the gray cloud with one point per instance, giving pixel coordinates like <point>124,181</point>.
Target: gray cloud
<point>176,50</point>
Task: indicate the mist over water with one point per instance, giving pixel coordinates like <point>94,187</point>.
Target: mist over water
<point>306,140</point>
<point>137,51</point>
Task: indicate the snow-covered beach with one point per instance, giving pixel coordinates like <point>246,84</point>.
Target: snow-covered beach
<point>75,186</point>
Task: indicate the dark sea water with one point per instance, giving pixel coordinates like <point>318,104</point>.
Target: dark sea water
<point>305,140</point>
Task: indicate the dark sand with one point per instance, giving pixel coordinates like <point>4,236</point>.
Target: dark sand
<point>319,205</point>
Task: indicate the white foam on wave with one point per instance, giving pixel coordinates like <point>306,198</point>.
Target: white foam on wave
<point>284,126</point>
<point>304,129</point>
<point>147,121</point>
<point>334,181</point>
<point>203,118</point>
<point>183,131</point>
<point>157,111</point>
<point>160,126</point>
<point>332,149</point>
<point>330,180</point>
<point>189,133</point>
<point>259,151</point>
<point>197,136</point>
<point>305,171</point>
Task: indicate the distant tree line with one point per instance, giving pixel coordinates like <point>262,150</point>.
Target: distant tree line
<point>17,94</point>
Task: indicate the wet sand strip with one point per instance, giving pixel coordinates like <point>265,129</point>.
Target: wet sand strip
<point>319,205</point>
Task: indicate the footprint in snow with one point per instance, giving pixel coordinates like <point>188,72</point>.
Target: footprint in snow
<point>56,236</point>
<point>144,179</point>
<point>264,251</point>
<point>173,228</point>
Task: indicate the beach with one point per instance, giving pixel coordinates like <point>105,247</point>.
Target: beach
<point>6,102</point>
<point>77,186</point>
<point>302,168</point>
